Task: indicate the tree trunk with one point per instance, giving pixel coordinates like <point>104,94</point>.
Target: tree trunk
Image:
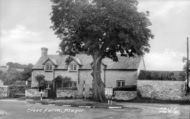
<point>97,84</point>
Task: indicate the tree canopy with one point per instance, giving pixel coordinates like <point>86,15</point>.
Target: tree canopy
<point>101,28</point>
<point>109,26</point>
<point>12,75</point>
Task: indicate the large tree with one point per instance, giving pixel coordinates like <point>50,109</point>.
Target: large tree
<point>100,28</point>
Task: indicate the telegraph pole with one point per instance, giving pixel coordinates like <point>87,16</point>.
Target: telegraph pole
<point>187,63</point>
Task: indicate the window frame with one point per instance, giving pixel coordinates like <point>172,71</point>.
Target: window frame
<point>120,83</point>
<point>73,67</point>
<point>48,67</point>
<point>68,85</point>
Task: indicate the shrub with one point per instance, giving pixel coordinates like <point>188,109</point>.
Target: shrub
<point>42,83</point>
<point>162,75</point>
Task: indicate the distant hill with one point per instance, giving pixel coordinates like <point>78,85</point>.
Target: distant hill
<point>17,66</point>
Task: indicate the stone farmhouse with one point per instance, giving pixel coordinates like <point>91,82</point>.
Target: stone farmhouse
<point>114,74</point>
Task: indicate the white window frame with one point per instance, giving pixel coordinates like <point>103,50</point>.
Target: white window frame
<point>73,67</point>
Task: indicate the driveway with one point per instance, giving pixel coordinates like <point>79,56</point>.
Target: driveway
<point>16,109</point>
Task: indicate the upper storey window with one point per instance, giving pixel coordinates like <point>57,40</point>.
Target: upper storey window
<point>73,67</point>
<point>48,67</point>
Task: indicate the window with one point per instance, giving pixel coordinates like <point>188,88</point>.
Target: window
<point>65,83</point>
<point>120,83</point>
<point>73,67</point>
<point>48,67</point>
<point>70,84</point>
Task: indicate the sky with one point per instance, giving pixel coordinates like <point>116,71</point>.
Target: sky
<point>25,28</point>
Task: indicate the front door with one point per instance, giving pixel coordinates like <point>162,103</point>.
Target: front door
<point>52,90</point>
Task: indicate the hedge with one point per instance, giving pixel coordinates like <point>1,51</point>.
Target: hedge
<point>162,75</point>
<point>126,88</point>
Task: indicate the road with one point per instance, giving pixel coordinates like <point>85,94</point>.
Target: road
<point>16,109</point>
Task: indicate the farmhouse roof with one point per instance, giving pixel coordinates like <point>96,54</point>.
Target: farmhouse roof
<point>86,60</point>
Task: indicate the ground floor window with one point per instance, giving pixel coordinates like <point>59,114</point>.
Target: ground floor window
<point>120,83</point>
<point>70,84</point>
<point>65,83</point>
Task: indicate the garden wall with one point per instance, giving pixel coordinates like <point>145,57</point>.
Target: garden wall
<point>125,95</point>
<point>162,90</point>
<point>32,93</point>
<point>67,93</point>
<point>16,91</point>
<point>4,91</point>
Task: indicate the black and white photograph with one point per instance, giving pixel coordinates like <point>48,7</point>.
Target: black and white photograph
<point>94,59</point>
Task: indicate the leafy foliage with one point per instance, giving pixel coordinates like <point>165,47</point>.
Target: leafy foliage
<point>26,74</point>
<point>100,28</point>
<point>109,26</point>
<point>12,75</point>
<point>41,81</point>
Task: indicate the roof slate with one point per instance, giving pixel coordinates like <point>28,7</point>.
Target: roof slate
<point>86,60</point>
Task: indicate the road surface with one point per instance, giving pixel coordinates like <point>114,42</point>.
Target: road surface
<point>15,109</point>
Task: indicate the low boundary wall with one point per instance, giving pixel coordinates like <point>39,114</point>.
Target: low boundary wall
<point>125,95</point>
<point>4,91</point>
<point>162,90</point>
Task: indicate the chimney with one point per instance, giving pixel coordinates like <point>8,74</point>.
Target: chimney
<point>44,51</point>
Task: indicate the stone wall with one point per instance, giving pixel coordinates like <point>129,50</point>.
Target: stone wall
<point>4,91</point>
<point>162,90</point>
<point>125,95</point>
<point>32,93</point>
<point>67,94</point>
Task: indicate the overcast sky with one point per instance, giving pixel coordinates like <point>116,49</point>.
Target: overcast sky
<point>24,29</point>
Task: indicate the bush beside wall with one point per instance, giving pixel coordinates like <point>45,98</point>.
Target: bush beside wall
<point>162,75</point>
<point>126,88</point>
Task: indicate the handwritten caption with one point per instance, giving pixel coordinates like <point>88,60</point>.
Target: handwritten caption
<point>47,110</point>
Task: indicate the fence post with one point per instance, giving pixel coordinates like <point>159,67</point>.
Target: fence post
<point>187,70</point>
